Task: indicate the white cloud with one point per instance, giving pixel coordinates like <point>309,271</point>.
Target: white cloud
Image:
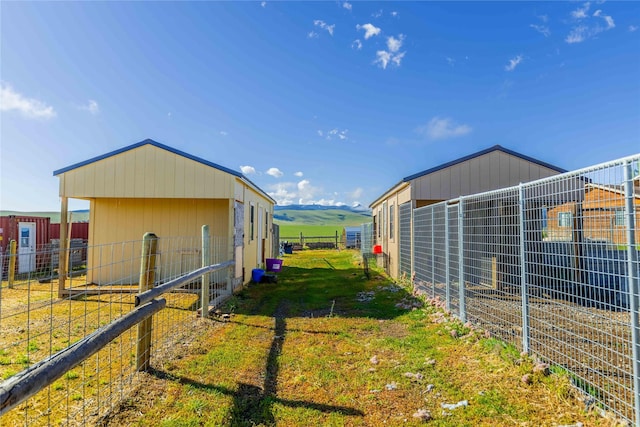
<point>275,172</point>
<point>588,28</point>
<point>581,12</point>
<point>394,14</point>
<point>357,44</point>
<point>383,57</point>
<point>443,128</point>
<point>394,44</point>
<point>92,107</point>
<point>370,30</point>
<point>312,35</point>
<point>633,28</point>
<point>263,4</point>
<point>298,174</point>
<point>224,133</point>
<point>542,29</point>
<point>28,107</point>
<point>377,14</point>
<point>513,63</point>
<point>337,133</point>
<point>324,26</point>
<point>347,5</point>
<point>248,170</point>
<point>320,133</point>
<point>577,35</point>
<point>282,194</point>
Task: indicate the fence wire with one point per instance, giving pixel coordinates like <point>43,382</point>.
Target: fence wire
<point>550,266</point>
<point>39,317</point>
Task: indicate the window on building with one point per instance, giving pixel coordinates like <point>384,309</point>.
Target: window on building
<point>620,219</point>
<point>252,217</point>
<point>564,219</point>
<point>391,220</point>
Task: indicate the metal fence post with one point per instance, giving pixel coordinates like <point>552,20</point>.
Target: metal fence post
<point>463,314</point>
<point>632,277</point>
<point>433,258</point>
<point>12,263</point>
<point>524,290</point>
<point>413,244</point>
<point>206,260</point>
<point>446,255</point>
<point>147,279</point>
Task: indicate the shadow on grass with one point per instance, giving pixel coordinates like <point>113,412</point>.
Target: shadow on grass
<point>252,405</point>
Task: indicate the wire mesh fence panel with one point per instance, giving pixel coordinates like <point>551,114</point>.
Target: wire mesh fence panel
<point>454,264</point>
<point>577,241</point>
<point>40,315</point>
<point>492,263</point>
<point>367,238</point>
<point>404,227</point>
<point>423,250</point>
<point>439,247</point>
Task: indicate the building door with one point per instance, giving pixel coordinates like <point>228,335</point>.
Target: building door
<point>260,237</point>
<point>26,247</point>
<point>238,241</point>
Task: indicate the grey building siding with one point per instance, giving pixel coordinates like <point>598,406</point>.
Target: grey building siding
<point>491,171</point>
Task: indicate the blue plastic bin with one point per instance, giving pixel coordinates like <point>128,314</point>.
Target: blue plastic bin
<point>256,274</point>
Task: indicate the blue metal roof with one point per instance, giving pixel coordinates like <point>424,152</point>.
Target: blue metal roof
<point>155,144</point>
<point>481,153</point>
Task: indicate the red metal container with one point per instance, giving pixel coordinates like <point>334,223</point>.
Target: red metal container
<point>79,230</point>
<point>31,234</point>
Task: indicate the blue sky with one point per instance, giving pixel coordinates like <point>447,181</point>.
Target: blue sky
<point>316,102</point>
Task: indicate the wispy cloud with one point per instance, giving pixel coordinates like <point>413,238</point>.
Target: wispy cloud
<point>443,128</point>
<point>394,14</point>
<point>542,29</point>
<point>588,26</point>
<point>633,28</point>
<point>370,30</point>
<point>392,55</point>
<point>312,35</point>
<point>513,63</point>
<point>92,107</point>
<point>224,133</point>
<point>347,5</point>
<point>357,44</point>
<point>263,4</point>
<point>450,61</point>
<point>377,14</point>
<point>275,172</point>
<point>298,174</point>
<point>321,24</point>
<point>581,12</point>
<point>341,134</point>
<point>248,170</point>
<point>10,100</point>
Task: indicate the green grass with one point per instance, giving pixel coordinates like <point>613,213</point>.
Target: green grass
<point>294,230</point>
<point>299,352</point>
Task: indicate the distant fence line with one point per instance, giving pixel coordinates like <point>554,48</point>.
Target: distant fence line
<point>551,266</point>
<point>300,241</point>
<point>73,360</point>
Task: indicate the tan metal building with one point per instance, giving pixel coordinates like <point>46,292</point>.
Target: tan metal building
<point>150,187</point>
<point>490,169</point>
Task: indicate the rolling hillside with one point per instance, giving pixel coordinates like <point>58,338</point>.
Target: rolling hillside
<point>314,220</point>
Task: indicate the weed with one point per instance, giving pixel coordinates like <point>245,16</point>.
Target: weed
<point>71,375</point>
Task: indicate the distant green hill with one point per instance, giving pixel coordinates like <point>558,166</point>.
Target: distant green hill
<point>77,216</point>
<point>309,221</point>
